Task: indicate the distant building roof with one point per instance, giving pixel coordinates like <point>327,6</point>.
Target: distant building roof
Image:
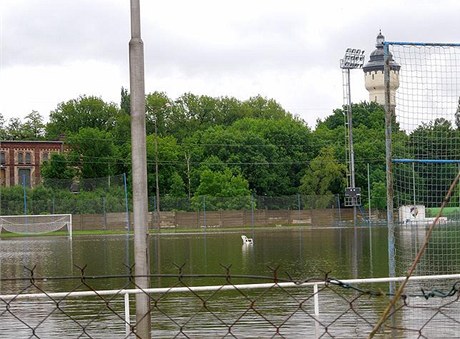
<point>376,61</point>
<point>31,142</point>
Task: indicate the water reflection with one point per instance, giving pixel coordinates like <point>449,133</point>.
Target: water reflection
<point>345,252</point>
<point>302,253</point>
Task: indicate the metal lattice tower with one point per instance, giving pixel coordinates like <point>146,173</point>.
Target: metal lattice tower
<point>354,59</point>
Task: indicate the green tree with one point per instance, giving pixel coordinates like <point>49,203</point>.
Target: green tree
<point>86,111</point>
<point>33,127</point>
<point>263,108</point>
<point>264,151</point>
<point>3,131</point>
<point>378,195</point>
<point>169,153</point>
<point>222,184</point>
<point>14,129</point>
<point>177,186</point>
<point>222,190</point>
<point>191,113</point>
<point>157,110</point>
<point>93,152</point>
<point>433,140</point>
<point>125,101</point>
<point>325,175</point>
<point>57,172</point>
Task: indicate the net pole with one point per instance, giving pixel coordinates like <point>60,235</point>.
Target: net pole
<point>398,294</point>
<point>389,170</point>
<point>413,182</point>
<point>369,192</point>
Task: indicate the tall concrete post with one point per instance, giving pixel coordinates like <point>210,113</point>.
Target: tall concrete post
<point>139,173</point>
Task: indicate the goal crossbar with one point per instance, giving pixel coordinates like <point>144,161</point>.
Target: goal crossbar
<point>36,224</point>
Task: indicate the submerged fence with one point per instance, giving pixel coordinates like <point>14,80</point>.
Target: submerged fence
<point>228,305</point>
<point>109,209</point>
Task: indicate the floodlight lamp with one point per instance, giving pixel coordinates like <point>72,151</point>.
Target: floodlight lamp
<point>354,58</point>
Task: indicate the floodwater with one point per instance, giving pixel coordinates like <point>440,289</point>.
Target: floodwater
<point>299,253</point>
<point>304,253</point>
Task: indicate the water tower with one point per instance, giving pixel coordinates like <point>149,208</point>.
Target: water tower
<point>374,76</point>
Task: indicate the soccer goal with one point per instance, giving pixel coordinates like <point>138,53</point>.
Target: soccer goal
<point>36,224</point>
<point>423,149</point>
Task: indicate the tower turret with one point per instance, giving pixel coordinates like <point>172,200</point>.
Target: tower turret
<point>374,75</point>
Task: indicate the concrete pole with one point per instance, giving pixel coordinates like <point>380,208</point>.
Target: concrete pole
<point>139,171</point>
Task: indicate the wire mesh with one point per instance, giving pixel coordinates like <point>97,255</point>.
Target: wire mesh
<point>235,306</point>
<point>425,150</point>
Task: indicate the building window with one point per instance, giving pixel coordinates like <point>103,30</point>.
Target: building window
<point>20,158</point>
<point>45,156</point>
<point>28,158</point>
<point>372,76</point>
<point>2,158</point>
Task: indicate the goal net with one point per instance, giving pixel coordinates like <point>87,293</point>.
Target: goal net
<point>425,152</point>
<point>36,224</point>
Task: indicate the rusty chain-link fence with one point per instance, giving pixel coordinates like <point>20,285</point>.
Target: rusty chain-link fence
<point>227,306</point>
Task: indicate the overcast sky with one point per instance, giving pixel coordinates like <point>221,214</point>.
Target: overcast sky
<point>55,50</point>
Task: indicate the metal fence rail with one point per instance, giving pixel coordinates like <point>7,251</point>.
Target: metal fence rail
<point>234,307</point>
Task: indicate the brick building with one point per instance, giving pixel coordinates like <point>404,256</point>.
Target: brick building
<point>20,161</point>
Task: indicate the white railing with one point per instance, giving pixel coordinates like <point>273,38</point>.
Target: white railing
<point>127,292</point>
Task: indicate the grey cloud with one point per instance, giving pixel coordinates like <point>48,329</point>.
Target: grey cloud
<point>267,43</point>
<point>53,32</point>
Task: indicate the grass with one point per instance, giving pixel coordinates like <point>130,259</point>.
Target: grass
<point>446,212</point>
<point>62,233</point>
<point>77,233</point>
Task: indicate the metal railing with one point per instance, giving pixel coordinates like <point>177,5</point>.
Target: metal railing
<point>325,307</point>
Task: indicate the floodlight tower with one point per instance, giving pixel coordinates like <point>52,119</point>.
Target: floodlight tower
<point>354,59</point>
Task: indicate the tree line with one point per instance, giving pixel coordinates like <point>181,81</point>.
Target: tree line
<point>217,146</point>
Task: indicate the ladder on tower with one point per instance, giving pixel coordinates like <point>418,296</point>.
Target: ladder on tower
<point>346,109</point>
<point>352,193</point>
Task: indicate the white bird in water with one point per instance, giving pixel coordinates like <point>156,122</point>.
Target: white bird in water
<point>246,240</point>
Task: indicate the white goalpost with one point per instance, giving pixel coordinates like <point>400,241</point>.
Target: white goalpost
<point>36,224</point>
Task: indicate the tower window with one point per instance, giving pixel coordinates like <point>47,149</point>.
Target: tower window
<point>372,76</point>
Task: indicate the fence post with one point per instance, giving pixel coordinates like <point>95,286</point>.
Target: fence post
<point>127,315</point>
<point>252,213</point>
<point>338,206</point>
<point>204,211</point>
<point>105,212</point>
<point>154,215</point>
<point>316,299</point>
<point>128,223</point>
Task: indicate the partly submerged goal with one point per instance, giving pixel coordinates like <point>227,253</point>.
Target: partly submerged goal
<point>36,224</point>
<point>423,152</point>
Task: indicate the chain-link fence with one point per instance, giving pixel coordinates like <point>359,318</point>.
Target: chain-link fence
<point>226,305</point>
<point>67,196</point>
